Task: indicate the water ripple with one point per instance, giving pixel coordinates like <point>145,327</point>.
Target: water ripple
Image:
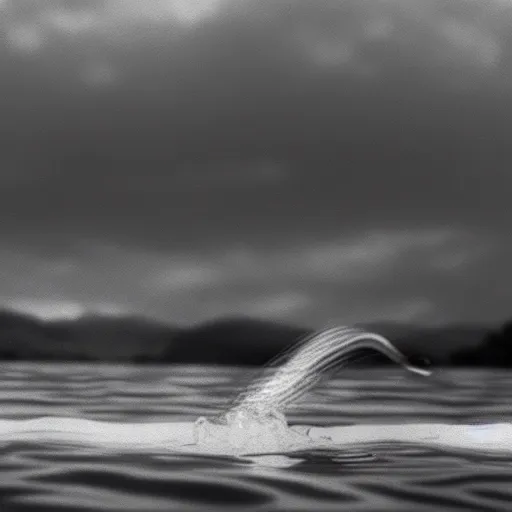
<point>394,477</point>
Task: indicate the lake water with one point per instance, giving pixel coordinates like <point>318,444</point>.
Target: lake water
<point>52,477</point>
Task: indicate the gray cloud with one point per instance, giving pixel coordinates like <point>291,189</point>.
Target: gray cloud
<point>174,132</point>
<point>399,275</point>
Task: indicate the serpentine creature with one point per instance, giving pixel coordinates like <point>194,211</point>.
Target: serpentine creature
<point>312,359</point>
<point>257,414</point>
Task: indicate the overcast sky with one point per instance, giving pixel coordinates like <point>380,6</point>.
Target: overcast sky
<point>315,161</point>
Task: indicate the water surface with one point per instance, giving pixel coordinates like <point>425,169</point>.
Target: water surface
<point>398,477</point>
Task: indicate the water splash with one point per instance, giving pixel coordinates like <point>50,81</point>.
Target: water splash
<point>244,431</point>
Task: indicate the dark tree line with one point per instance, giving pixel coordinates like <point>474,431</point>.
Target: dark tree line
<point>495,350</point>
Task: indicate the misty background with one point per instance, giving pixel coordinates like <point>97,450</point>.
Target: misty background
<point>168,163</point>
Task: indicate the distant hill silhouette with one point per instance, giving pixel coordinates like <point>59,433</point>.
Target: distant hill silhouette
<point>232,341</point>
<point>21,337</point>
<point>90,338</point>
<point>115,338</point>
<point>240,340</point>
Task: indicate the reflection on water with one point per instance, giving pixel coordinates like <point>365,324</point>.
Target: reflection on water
<point>385,477</point>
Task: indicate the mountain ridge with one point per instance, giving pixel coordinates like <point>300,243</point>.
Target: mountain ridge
<point>230,340</point>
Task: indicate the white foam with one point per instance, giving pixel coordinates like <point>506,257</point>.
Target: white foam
<point>244,435</point>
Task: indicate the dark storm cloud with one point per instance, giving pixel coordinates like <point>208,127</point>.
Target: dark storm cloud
<point>174,129</point>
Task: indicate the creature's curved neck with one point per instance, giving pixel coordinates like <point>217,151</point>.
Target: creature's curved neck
<point>309,361</point>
